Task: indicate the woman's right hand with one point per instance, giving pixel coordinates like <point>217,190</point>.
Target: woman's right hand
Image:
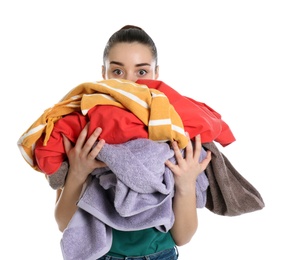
<point>82,156</point>
<point>82,161</point>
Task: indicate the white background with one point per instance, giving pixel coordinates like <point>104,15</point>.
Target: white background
<point>227,54</point>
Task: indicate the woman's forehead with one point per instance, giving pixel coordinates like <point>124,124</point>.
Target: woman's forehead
<point>121,50</point>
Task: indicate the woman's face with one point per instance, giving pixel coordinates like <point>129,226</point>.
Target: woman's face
<point>131,61</point>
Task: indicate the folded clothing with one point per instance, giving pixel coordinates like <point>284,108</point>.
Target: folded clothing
<point>138,106</point>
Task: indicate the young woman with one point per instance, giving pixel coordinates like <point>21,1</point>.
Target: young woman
<point>131,54</point>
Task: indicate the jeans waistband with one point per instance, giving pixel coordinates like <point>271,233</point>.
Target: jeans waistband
<point>171,254</point>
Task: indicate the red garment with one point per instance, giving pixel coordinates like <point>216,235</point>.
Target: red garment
<point>197,117</point>
<point>120,125</point>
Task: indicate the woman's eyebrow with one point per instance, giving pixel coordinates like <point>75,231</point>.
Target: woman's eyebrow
<point>137,65</point>
<point>117,63</point>
<point>143,64</point>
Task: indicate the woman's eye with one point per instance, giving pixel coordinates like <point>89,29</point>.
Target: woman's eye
<point>117,72</point>
<point>142,72</point>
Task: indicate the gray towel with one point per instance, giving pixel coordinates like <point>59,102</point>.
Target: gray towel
<point>86,238</point>
<point>135,184</point>
<point>134,192</point>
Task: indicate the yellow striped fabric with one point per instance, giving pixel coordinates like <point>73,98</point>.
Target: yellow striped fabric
<point>151,106</point>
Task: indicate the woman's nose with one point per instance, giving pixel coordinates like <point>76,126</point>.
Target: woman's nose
<point>131,77</point>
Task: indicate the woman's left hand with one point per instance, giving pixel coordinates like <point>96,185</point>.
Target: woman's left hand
<point>187,169</point>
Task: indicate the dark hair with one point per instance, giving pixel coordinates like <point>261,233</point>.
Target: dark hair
<point>129,34</point>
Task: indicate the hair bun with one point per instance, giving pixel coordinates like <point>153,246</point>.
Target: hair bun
<point>126,27</point>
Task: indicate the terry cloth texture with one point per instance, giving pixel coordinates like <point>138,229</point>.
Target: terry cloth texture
<point>138,105</point>
<point>134,192</point>
<point>229,193</point>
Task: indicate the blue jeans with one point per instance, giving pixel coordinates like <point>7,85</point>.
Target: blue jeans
<point>167,254</point>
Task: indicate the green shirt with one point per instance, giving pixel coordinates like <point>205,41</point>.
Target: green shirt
<point>140,243</point>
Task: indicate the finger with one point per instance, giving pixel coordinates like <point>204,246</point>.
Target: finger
<point>189,151</point>
<point>82,137</point>
<point>206,161</point>
<point>67,144</point>
<point>96,149</point>
<point>100,164</point>
<point>170,165</point>
<point>198,147</point>
<point>177,152</point>
<point>89,145</point>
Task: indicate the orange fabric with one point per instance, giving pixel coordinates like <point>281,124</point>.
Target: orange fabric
<point>120,124</point>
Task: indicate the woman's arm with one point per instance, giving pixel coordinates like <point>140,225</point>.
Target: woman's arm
<point>185,173</point>
<point>82,161</point>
